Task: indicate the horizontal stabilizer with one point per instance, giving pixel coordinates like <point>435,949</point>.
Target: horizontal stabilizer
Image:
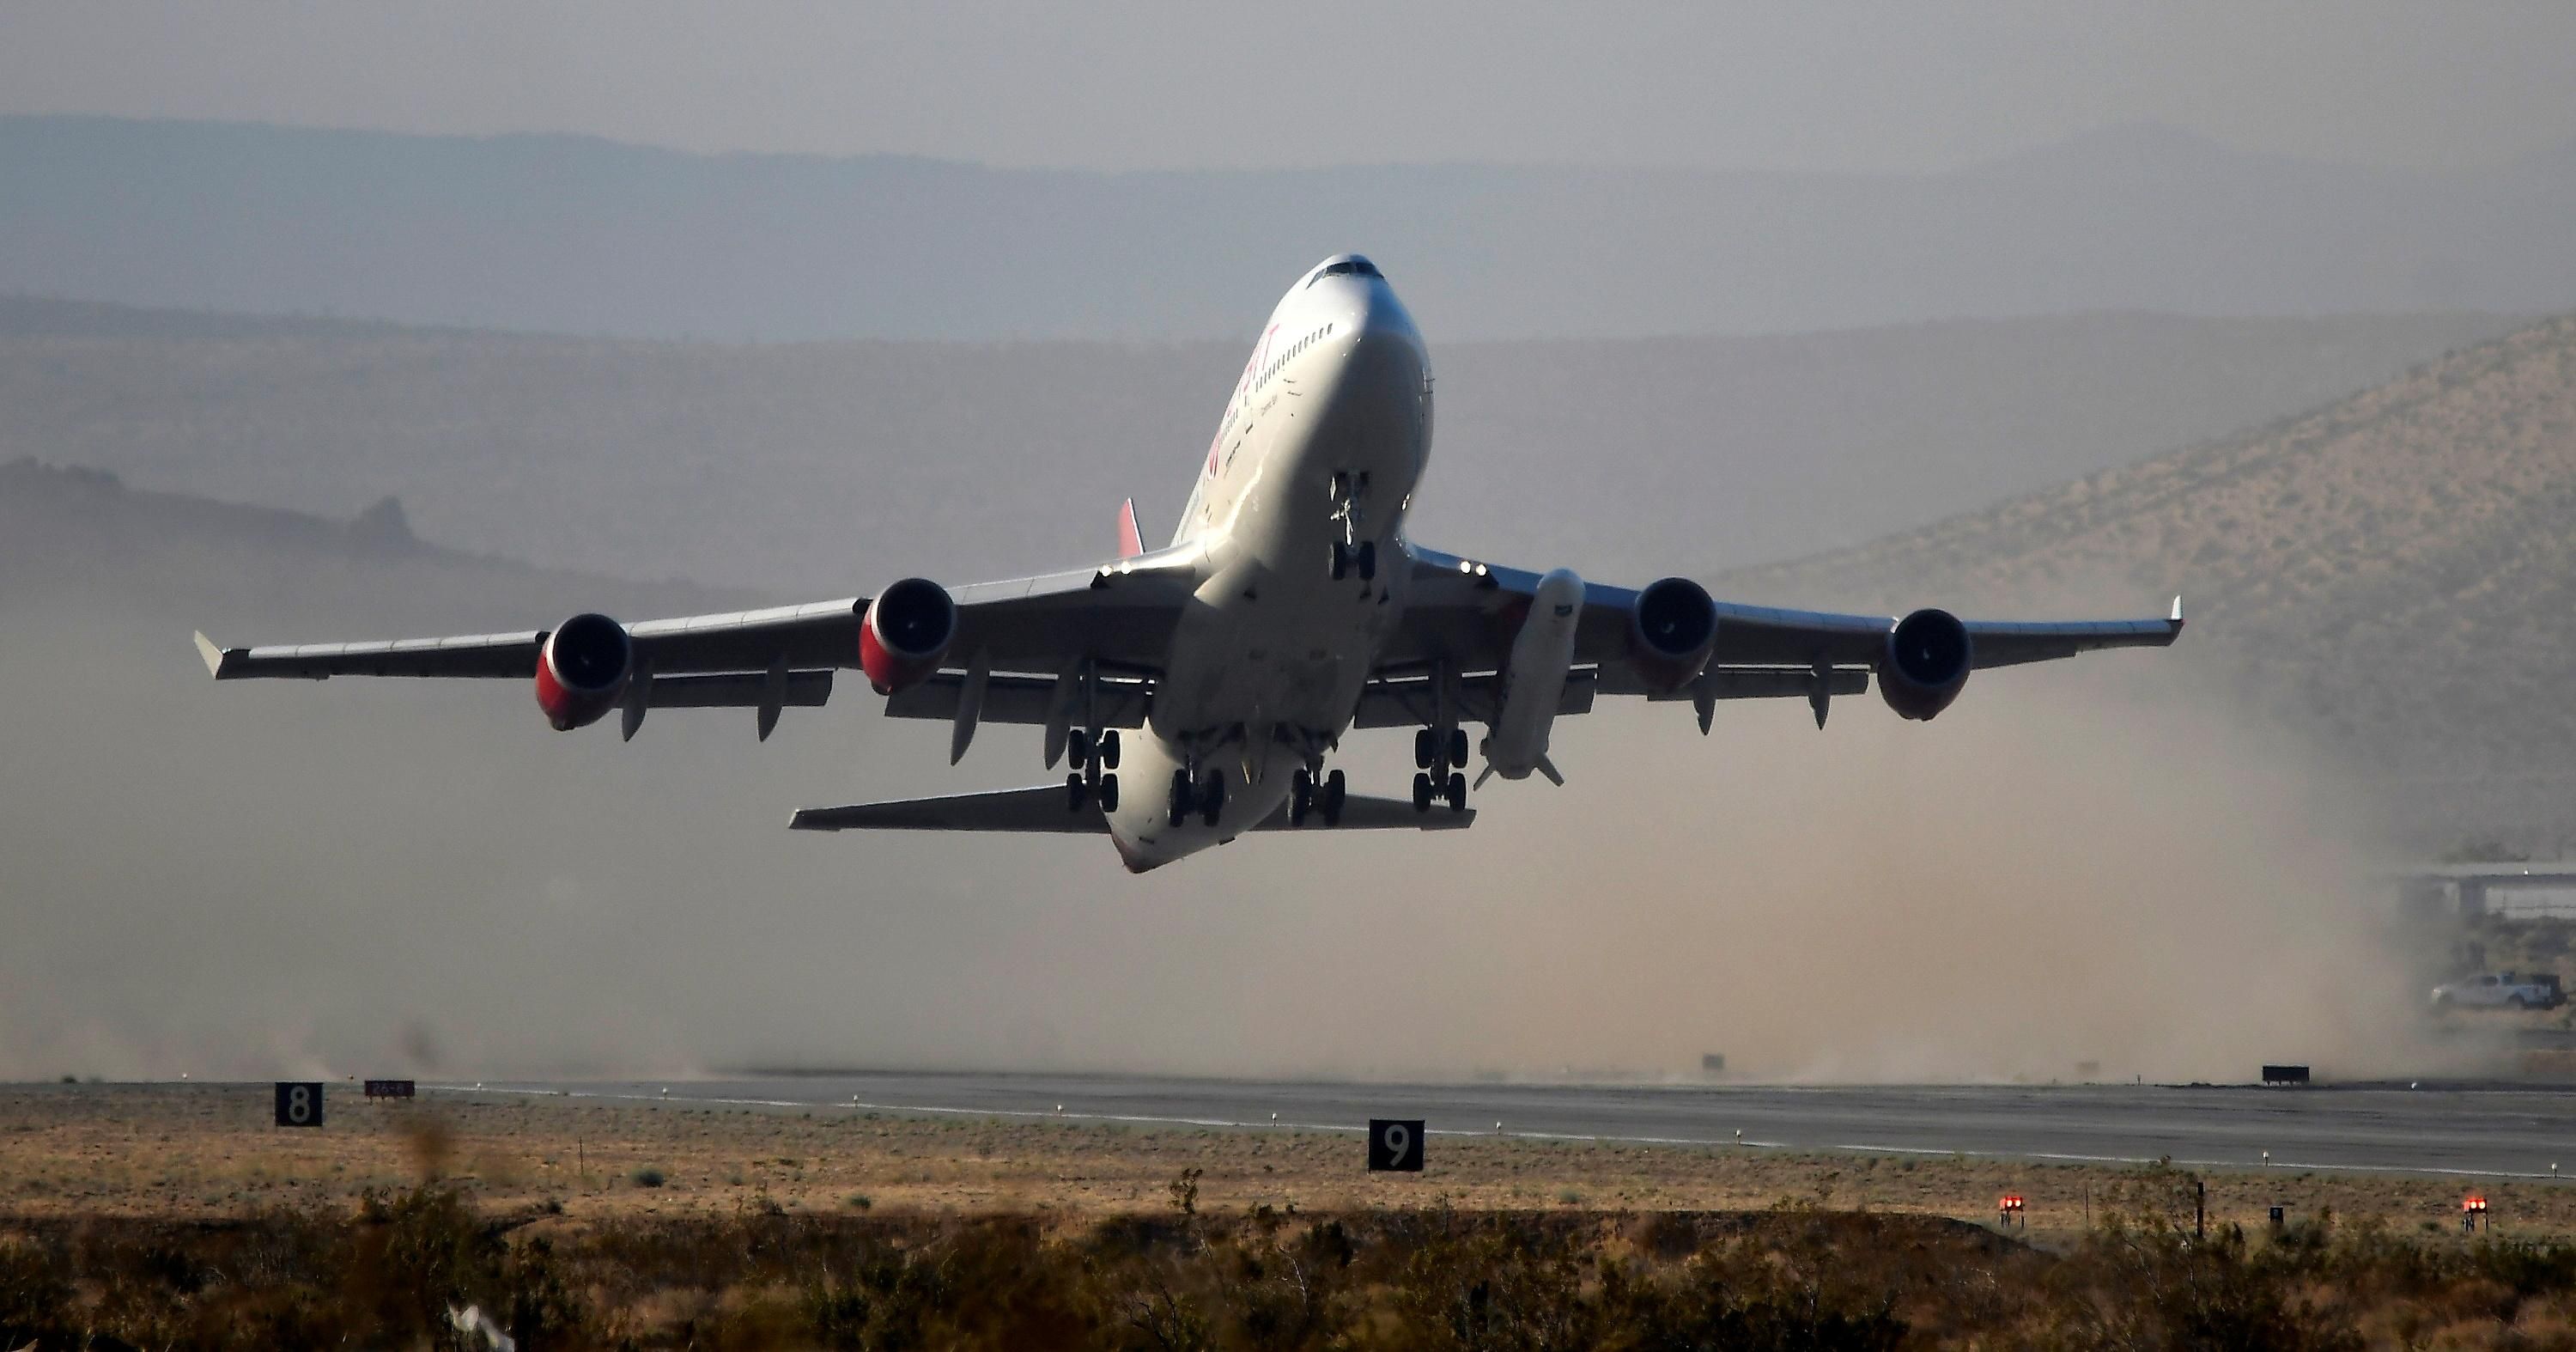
<point>1044,810</point>
<point>1040,810</point>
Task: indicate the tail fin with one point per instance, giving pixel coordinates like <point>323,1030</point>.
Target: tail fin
<point>1130,543</point>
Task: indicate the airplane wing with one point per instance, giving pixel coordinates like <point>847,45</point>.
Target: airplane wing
<point>1465,612</point>
<point>1043,809</point>
<point>1117,615</point>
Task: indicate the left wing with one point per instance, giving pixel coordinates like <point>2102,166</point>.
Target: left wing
<point>1464,613</point>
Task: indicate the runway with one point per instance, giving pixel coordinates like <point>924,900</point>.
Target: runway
<point>2503,1131</point>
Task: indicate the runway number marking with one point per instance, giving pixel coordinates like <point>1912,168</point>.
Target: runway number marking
<point>1395,1145</point>
<point>299,1103</point>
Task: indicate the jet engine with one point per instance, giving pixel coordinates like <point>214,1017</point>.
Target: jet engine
<point>1671,632</point>
<point>1928,657</point>
<point>907,630</point>
<point>582,669</point>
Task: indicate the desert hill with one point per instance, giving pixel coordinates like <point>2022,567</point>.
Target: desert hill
<point>2395,571</point>
<point>574,234</point>
<point>830,467</point>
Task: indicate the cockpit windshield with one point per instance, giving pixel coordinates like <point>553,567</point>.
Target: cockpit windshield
<point>1351,266</point>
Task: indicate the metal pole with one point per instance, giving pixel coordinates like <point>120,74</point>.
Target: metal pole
<point>2199,1210</point>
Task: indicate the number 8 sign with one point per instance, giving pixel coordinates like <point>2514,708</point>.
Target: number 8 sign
<point>1395,1144</point>
<point>299,1103</point>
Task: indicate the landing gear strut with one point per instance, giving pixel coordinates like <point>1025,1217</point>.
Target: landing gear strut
<point>1092,753</point>
<point>1440,754</point>
<point>1351,553</point>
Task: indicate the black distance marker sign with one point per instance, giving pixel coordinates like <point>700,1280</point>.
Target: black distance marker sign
<point>1395,1145</point>
<point>299,1103</point>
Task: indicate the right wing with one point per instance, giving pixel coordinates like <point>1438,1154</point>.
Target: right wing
<point>1119,614</point>
<point>1115,620</point>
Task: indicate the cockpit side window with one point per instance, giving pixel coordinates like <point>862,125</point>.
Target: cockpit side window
<point>1345,268</point>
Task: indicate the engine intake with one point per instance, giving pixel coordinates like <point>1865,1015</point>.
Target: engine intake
<point>582,670</point>
<point>1927,662</point>
<point>1671,632</point>
<point>907,630</point>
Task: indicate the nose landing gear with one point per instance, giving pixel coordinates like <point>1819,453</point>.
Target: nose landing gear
<point>1351,553</point>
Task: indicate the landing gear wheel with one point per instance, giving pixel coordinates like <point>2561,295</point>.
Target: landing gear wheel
<point>1425,742</point>
<point>1457,747</point>
<point>1212,800</point>
<point>1334,787</point>
<point>1108,747</point>
<point>1368,560</point>
<point>1301,798</point>
<point>1457,794</point>
<point>1109,793</point>
<point>1074,792</point>
<point>1341,561</point>
<point>1180,806</point>
<point>1422,793</point>
<point>1077,748</point>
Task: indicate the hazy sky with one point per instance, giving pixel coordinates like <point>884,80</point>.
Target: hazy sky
<point>1844,86</point>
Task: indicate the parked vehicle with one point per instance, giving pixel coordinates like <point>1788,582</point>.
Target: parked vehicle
<point>2502,990</point>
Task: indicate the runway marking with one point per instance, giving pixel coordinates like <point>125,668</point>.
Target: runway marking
<point>1747,1143</point>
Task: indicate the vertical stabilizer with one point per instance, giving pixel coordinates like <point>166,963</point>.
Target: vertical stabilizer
<point>1130,542</point>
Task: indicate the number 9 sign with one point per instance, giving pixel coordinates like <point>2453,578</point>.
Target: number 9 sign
<point>299,1103</point>
<point>1395,1144</point>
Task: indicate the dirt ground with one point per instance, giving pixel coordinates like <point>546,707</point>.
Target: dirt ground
<point>210,1151</point>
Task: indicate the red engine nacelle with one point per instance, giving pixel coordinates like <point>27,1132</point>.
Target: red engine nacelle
<point>1927,663</point>
<point>1672,630</point>
<point>906,631</point>
<point>582,670</point>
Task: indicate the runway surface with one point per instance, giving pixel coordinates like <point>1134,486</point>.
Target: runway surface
<point>2506,1131</point>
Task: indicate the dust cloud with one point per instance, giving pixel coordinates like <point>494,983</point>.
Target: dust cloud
<point>2088,863</point>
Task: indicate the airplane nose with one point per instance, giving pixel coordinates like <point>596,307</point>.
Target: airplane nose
<point>1383,337</point>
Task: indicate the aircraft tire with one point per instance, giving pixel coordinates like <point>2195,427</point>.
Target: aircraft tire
<point>1457,794</point>
<point>1334,791</point>
<point>1423,742</point>
<point>1422,793</point>
<point>1108,746</point>
<point>1180,806</point>
<point>1109,793</point>
<point>1073,793</point>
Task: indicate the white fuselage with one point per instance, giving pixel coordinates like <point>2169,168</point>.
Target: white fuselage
<point>1266,668</point>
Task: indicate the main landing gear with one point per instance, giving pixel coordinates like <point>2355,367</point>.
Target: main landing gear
<point>1094,758</point>
<point>1439,754</point>
<point>1207,800</point>
<point>1309,798</point>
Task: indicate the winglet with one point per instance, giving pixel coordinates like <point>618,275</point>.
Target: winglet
<point>1131,542</point>
<point>213,655</point>
<point>2176,619</point>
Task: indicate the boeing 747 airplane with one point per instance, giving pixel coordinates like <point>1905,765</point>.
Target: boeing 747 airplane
<point>1198,691</point>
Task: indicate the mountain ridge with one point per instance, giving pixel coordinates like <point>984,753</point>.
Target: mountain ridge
<point>544,232</point>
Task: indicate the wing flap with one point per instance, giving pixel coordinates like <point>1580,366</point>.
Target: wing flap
<point>1124,701</point>
<point>739,690</point>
